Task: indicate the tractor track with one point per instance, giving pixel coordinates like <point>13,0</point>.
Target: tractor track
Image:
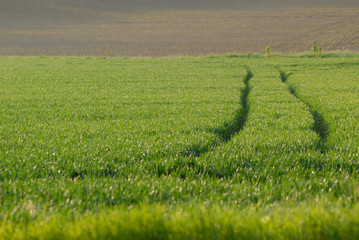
<point>320,126</point>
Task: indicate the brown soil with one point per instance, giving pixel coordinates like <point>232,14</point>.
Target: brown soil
<point>172,28</point>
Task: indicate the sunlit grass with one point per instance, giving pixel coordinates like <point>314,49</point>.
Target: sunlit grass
<point>149,148</point>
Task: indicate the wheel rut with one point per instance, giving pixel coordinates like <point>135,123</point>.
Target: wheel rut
<point>320,126</point>
<point>229,129</point>
<point>224,134</point>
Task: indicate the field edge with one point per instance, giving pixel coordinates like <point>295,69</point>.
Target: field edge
<point>318,220</point>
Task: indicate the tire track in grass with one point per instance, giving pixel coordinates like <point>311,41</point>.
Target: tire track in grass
<point>229,129</point>
<point>321,127</point>
<point>183,166</point>
<point>225,132</point>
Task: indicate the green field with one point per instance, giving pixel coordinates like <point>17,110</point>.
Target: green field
<point>217,147</point>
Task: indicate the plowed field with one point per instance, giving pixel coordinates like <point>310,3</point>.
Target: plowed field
<point>155,28</point>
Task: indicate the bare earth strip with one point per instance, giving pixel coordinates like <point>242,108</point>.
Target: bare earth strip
<point>66,30</point>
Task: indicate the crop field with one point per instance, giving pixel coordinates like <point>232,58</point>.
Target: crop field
<point>217,147</point>
<point>175,28</point>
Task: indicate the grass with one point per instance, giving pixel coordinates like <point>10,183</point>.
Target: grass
<point>214,147</point>
<point>299,222</point>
